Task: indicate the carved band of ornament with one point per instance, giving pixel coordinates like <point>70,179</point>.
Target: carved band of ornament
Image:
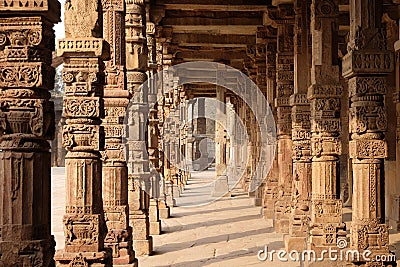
<point>79,209</point>
<point>96,47</point>
<point>369,235</point>
<point>80,89</point>
<point>112,111</point>
<point>86,107</point>
<point>324,91</point>
<point>360,86</point>
<point>82,137</point>
<point>367,149</point>
<point>325,104</point>
<point>326,125</point>
<point>114,130</point>
<point>327,209</point>
<point>326,8</point>
<point>285,76</point>
<point>80,76</point>
<point>81,230</point>
<point>26,75</point>
<point>136,77</point>
<point>113,5</point>
<point>301,151</point>
<point>284,59</point>
<point>325,146</point>
<point>367,118</point>
<point>21,36</point>
<point>27,116</point>
<point>299,100</point>
<point>363,62</point>
<point>33,6</point>
<point>24,53</point>
<point>301,134</point>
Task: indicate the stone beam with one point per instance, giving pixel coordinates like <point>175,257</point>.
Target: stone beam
<point>220,40</point>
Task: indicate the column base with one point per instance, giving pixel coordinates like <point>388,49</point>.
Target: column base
<point>295,243</point>
<point>154,217</point>
<point>372,236</point>
<point>143,247</point>
<point>163,210</point>
<point>221,187</point>
<point>298,227</point>
<point>258,202</point>
<point>283,208</point>
<point>21,253</point>
<point>176,191</point>
<point>120,242</point>
<point>90,259</point>
<point>142,241</point>
<point>270,197</point>
<point>155,228</point>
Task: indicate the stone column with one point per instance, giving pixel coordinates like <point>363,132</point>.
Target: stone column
<point>283,15</point>
<point>83,75</point>
<point>115,170</point>
<point>324,93</point>
<point>138,163</point>
<point>26,123</point>
<point>271,183</point>
<point>153,134</point>
<point>221,187</point>
<point>365,66</point>
<point>301,131</point>
<point>396,98</point>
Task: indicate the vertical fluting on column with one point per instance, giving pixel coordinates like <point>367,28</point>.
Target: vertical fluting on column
<point>324,94</point>
<point>153,134</point>
<point>365,66</point>
<point>83,51</point>
<point>138,162</point>
<point>221,187</point>
<point>26,123</point>
<point>115,170</point>
<point>271,184</point>
<point>283,15</point>
<point>301,130</point>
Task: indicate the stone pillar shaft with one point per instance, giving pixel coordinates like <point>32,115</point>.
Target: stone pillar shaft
<point>368,122</point>
<point>115,170</point>
<point>271,185</point>
<point>283,15</point>
<point>83,75</point>
<point>138,162</point>
<point>301,130</point>
<point>26,123</point>
<point>324,94</point>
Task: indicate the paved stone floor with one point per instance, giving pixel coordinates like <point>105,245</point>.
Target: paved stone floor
<point>226,232</point>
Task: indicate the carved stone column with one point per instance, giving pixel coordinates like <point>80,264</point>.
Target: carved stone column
<point>324,93</point>
<point>115,170</point>
<point>83,51</point>
<point>283,15</point>
<point>271,183</point>
<point>396,98</point>
<point>138,162</point>
<point>301,131</point>
<point>367,63</point>
<point>164,210</point>
<point>26,123</point>
<point>221,187</point>
<point>153,134</point>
